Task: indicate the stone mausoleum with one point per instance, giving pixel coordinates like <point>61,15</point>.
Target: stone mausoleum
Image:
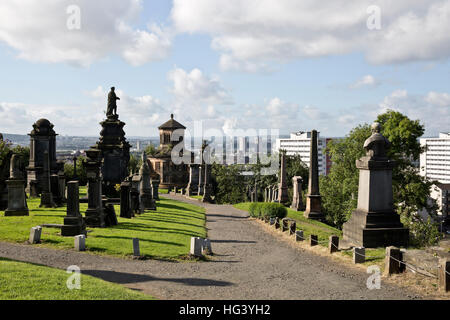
<point>171,175</point>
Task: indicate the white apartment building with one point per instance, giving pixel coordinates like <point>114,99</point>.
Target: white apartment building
<point>435,161</point>
<point>299,143</point>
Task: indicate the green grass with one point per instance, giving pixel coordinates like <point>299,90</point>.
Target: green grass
<point>323,231</point>
<point>164,234</point>
<point>163,191</point>
<point>26,281</point>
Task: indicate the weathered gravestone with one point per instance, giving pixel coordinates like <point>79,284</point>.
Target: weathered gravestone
<point>125,200</point>
<point>314,199</point>
<point>73,223</point>
<point>17,203</point>
<point>375,223</point>
<point>146,197</point>
<point>46,195</point>
<point>95,217</point>
<point>136,205</point>
<point>297,202</point>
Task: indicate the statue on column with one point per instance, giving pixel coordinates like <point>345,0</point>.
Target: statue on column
<point>112,103</point>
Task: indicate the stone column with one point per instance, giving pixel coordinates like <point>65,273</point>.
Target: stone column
<point>375,223</point>
<point>297,202</point>
<point>314,199</point>
<point>192,187</point>
<point>73,224</point>
<point>282,186</point>
<point>201,179</point>
<point>46,195</point>
<point>145,188</point>
<point>17,203</point>
<point>207,184</point>
<point>95,216</point>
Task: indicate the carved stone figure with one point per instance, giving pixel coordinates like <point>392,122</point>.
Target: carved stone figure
<point>112,103</point>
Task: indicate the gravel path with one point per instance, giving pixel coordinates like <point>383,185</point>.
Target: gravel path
<point>248,263</point>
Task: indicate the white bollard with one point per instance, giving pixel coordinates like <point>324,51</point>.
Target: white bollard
<point>80,242</point>
<point>35,235</point>
<point>196,246</point>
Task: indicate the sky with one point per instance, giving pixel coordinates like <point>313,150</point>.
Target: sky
<point>291,65</point>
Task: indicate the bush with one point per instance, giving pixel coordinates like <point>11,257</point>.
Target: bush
<point>254,209</point>
<point>273,210</point>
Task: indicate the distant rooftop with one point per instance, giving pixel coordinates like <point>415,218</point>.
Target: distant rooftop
<point>171,124</point>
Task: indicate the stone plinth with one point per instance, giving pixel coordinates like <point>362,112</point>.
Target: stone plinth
<point>94,214</point>
<point>73,224</point>
<point>297,201</point>
<point>17,204</point>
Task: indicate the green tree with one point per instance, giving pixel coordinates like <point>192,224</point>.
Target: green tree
<point>81,171</point>
<point>150,150</point>
<point>230,186</point>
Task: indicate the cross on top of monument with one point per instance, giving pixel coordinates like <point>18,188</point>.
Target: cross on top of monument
<point>376,145</point>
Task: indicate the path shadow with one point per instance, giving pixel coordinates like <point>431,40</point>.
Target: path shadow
<point>125,278</point>
<point>232,241</point>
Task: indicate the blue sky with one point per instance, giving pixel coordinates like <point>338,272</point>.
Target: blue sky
<point>288,65</point>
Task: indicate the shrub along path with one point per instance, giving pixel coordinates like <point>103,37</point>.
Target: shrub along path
<point>248,264</point>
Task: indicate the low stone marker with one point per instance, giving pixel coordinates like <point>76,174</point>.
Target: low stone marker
<point>272,221</point>
<point>333,244</point>
<point>35,235</point>
<point>136,249</point>
<point>292,228</point>
<point>196,246</point>
<point>285,225</point>
<point>313,240</point>
<point>206,246</point>
<point>299,235</point>
<point>393,261</point>
<point>80,242</point>
<point>359,255</point>
<point>277,223</point>
<point>444,275</point>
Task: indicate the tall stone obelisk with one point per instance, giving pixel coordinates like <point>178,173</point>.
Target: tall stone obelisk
<point>375,223</point>
<point>313,198</point>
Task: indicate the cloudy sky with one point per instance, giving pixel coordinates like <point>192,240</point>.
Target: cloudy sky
<point>287,64</point>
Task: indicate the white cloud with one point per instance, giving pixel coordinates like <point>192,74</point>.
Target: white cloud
<point>366,81</point>
<point>252,35</point>
<point>37,30</point>
<point>314,113</point>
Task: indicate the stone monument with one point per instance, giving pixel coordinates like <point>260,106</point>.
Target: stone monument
<point>74,224</point>
<point>192,187</point>
<point>46,194</point>
<point>42,138</point>
<point>4,175</point>
<point>146,197</point>
<point>375,223</point>
<point>297,201</point>
<point>282,186</point>
<point>95,217</point>
<point>115,150</point>
<point>125,200</point>
<point>207,184</point>
<point>314,199</point>
<point>17,203</point>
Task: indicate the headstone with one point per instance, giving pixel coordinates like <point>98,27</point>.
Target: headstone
<point>375,223</point>
<point>42,138</point>
<point>136,205</point>
<point>272,221</point>
<point>206,247</point>
<point>284,225</point>
<point>393,261</point>
<point>46,195</point>
<point>155,189</point>
<point>314,199</point>
<point>95,216</point>
<point>125,200</point>
<point>136,249</point>
<point>115,153</point>
<point>192,187</point>
<point>444,275</point>
<point>73,223</point>
<point>359,255</point>
<point>35,235</point>
<point>146,197</point>
<point>277,223</point>
<point>313,240</point>
<point>282,186</point>
<point>17,203</point>
<point>297,202</point>
<point>196,246</point>
<point>80,242</point>
<point>333,244</point>
<point>110,213</point>
<point>299,235</point>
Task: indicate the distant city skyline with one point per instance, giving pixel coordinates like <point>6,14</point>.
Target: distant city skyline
<point>287,65</point>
